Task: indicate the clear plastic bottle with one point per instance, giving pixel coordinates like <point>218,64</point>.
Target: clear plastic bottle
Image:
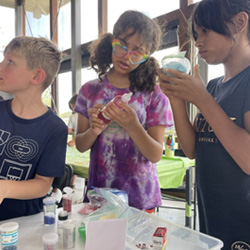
<point>117,100</point>
<point>62,216</point>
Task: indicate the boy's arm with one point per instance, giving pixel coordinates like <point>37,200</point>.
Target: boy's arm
<point>27,189</point>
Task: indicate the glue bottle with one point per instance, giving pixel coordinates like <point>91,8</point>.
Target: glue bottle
<point>117,100</point>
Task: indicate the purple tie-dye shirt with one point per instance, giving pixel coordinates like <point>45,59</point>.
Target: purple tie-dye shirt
<point>115,160</point>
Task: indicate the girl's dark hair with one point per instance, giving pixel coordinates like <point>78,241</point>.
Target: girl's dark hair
<point>144,77</point>
<point>72,100</point>
<point>217,14</point>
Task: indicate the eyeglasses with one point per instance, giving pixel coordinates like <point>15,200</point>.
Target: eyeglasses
<point>135,57</point>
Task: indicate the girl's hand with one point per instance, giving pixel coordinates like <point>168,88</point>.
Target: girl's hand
<point>96,124</point>
<point>125,116</point>
<point>186,87</point>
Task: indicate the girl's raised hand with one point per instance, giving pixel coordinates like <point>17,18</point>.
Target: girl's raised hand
<point>183,86</point>
<point>125,116</point>
<point>96,124</point>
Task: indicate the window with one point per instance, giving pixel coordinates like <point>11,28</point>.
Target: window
<point>64,94</point>
<point>88,74</point>
<point>64,27</point>
<point>89,20</point>
<point>7,29</point>
<point>37,19</point>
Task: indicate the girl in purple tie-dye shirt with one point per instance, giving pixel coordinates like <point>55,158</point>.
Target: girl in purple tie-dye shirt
<point>124,153</point>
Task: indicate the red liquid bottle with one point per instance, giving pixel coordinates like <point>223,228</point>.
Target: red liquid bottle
<point>117,100</point>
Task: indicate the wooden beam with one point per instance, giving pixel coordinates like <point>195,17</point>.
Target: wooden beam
<point>102,16</point>
<point>54,38</point>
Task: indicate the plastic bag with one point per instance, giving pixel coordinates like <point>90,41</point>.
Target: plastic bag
<point>117,203</point>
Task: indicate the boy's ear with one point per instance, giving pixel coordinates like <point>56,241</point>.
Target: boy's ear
<point>39,76</point>
<point>241,21</point>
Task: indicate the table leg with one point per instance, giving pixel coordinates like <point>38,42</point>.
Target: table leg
<point>188,204</point>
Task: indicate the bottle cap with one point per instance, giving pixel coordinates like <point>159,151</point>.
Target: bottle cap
<point>63,215</point>
<point>126,97</point>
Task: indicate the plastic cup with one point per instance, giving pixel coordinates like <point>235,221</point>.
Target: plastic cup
<point>9,235</point>
<point>176,62</point>
<point>67,199</point>
<point>49,210</point>
<point>50,241</point>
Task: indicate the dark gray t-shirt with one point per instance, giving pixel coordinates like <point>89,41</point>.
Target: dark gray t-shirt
<point>223,188</point>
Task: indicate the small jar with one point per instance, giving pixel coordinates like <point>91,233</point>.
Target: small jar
<point>67,199</point>
<point>69,234</point>
<point>62,217</point>
<point>50,241</point>
<point>49,210</point>
<point>9,235</point>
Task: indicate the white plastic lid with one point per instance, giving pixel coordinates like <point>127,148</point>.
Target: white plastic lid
<point>49,201</point>
<point>126,97</point>
<point>9,227</point>
<point>69,224</point>
<point>68,190</point>
<point>50,238</point>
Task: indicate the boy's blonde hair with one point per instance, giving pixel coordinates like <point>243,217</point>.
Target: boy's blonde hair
<point>38,53</point>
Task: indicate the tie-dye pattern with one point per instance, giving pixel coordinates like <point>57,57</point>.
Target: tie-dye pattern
<point>115,161</point>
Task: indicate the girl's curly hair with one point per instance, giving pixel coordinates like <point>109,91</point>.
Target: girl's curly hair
<point>144,77</point>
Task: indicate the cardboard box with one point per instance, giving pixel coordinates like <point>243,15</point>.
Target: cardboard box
<point>160,238</point>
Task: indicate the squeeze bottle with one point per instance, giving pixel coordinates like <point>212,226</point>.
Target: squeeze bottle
<point>117,100</point>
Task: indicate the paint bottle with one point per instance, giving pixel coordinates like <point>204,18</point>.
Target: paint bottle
<point>117,100</point>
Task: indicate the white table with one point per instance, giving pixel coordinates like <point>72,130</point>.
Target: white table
<point>31,230</point>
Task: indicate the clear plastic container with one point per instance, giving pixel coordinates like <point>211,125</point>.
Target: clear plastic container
<point>50,241</point>
<point>49,210</point>
<point>69,234</point>
<point>62,216</point>
<point>177,62</point>
<point>67,199</point>
<point>9,235</point>
<point>117,100</point>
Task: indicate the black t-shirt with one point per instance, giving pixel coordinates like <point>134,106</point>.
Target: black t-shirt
<point>29,147</point>
<point>223,188</point>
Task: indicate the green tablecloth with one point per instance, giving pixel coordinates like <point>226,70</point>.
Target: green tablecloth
<point>171,170</point>
<point>79,161</point>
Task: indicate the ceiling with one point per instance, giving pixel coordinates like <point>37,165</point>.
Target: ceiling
<point>37,7</point>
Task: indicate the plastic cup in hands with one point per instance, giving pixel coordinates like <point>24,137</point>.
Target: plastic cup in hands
<point>177,62</point>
